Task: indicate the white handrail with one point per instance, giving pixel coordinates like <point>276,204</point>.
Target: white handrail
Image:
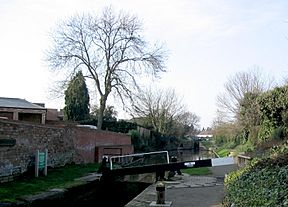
<point>137,154</point>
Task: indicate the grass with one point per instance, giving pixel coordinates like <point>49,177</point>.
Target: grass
<point>197,171</point>
<point>207,143</point>
<point>63,177</point>
<point>223,152</point>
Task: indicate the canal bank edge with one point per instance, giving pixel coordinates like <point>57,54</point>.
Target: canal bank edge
<point>55,193</point>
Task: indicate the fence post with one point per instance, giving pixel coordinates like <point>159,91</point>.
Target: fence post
<point>37,164</point>
<point>46,161</point>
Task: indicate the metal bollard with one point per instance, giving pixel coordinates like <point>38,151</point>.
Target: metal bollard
<point>160,188</point>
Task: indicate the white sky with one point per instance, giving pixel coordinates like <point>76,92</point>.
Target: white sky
<point>208,40</point>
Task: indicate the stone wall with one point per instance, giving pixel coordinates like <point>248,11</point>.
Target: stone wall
<point>65,144</point>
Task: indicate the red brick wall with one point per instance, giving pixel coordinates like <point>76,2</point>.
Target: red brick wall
<point>88,139</point>
<point>52,114</point>
<point>65,144</point>
<point>30,138</point>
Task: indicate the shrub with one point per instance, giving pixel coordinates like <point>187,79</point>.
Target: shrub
<point>278,133</point>
<point>278,150</point>
<point>262,183</point>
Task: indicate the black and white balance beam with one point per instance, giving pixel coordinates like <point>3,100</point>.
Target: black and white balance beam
<point>169,166</point>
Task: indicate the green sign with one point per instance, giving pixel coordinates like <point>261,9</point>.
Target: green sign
<point>42,158</point>
<point>41,162</point>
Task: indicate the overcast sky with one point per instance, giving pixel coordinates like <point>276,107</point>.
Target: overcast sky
<point>208,41</point>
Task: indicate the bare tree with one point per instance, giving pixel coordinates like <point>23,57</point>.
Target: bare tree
<point>163,110</point>
<point>189,122</point>
<point>189,119</point>
<point>237,86</point>
<point>109,49</point>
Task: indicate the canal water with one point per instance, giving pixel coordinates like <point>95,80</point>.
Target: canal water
<point>94,194</point>
<point>191,154</point>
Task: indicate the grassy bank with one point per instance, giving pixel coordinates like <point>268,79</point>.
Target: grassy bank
<point>57,178</point>
<point>197,171</point>
<point>224,149</point>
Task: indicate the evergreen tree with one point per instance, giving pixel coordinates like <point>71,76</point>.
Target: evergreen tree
<point>76,99</point>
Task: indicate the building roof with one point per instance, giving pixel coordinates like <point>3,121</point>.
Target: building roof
<point>18,103</point>
<point>205,134</point>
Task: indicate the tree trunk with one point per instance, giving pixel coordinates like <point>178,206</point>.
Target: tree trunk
<point>101,112</point>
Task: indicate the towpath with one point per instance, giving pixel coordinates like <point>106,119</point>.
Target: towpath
<point>189,191</point>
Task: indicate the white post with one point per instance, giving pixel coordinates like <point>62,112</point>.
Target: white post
<point>46,160</point>
<point>37,164</point>
<point>111,166</point>
<point>167,155</point>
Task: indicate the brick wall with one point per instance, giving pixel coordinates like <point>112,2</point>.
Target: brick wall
<point>65,144</point>
<point>91,144</point>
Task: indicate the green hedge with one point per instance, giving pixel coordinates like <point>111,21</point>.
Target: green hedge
<point>262,183</point>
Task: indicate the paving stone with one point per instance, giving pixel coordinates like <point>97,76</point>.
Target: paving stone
<point>187,191</point>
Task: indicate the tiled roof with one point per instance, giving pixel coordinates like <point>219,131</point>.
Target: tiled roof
<point>17,103</point>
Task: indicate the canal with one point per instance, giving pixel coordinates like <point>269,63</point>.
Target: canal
<point>191,154</point>
<point>111,194</point>
<point>93,194</point>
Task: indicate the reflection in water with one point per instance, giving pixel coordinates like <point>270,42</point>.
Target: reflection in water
<point>190,154</point>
